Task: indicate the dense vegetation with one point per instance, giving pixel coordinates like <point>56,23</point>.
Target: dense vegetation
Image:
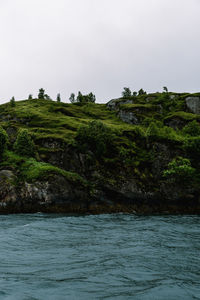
<point>35,130</point>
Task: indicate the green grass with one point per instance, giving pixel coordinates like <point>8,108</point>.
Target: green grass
<point>32,170</point>
<point>46,119</point>
<point>54,125</point>
<point>183,115</point>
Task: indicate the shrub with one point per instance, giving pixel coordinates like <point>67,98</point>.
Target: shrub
<point>90,98</point>
<point>96,137</point>
<point>32,170</point>
<point>179,170</point>
<point>24,144</point>
<point>192,146</point>
<point>30,97</point>
<point>192,128</point>
<point>3,140</point>
<point>153,131</point>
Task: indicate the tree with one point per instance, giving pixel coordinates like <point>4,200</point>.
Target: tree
<point>141,92</point>
<point>79,97</point>
<point>165,89</point>
<point>72,98</point>
<point>12,102</point>
<point>126,93</point>
<point>134,94</point>
<point>96,137</point>
<point>47,97</point>
<point>192,128</point>
<point>30,97</point>
<point>3,140</point>
<point>41,94</point>
<point>90,98</point>
<point>58,99</point>
<point>24,144</point>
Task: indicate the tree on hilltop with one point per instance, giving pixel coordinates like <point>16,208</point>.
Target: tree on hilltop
<point>72,98</point>
<point>58,98</point>
<point>126,93</point>
<point>12,102</point>
<point>141,92</point>
<point>41,93</point>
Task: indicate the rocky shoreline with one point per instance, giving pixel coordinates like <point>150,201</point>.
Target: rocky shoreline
<point>60,196</point>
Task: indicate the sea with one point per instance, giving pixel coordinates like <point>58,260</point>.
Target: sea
<point>109,256</point>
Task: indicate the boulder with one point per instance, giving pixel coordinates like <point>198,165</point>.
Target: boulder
<point>114,104</point>
<point>193,104</point>
<point>7,188</point>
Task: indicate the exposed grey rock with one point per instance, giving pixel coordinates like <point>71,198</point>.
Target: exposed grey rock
<point>128,117</point>
<point>7,187</point>
<point>193,104</point>
<point>114,104</point>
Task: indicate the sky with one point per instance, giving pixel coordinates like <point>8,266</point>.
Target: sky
<point>98,46</point>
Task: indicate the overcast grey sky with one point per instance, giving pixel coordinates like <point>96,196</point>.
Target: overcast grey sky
<point>98,45</point>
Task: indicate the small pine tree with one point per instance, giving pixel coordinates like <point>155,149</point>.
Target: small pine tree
<point>24,144</point>
<point>72,98</point>
<point>30,97</point>
<point>58,99</point>
<point>41,94</point>
<point>3,140</point>
<point>126,93</point>
<point>12,102</point>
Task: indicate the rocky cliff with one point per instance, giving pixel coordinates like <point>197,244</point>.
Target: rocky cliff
<point>136,154</point>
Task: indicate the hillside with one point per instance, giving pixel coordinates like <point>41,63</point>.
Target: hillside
<point>138,153</point>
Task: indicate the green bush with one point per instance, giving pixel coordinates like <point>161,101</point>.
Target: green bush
<point>96,137</point>
<point>192,128</point>
<point>192,146</point>
<point>179,170</point>
<point>82,99</point>
<point>24,144</point>
<point>153,131</point>
<point>3,140</point>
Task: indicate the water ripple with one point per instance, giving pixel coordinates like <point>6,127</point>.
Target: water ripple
<point>115,256</point>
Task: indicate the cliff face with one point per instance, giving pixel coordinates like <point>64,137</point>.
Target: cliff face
<point>141,137</point>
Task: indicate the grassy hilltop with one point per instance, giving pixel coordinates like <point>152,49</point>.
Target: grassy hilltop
<point>150,140</point>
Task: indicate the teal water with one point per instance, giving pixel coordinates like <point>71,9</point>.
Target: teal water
<point>99,257</point>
